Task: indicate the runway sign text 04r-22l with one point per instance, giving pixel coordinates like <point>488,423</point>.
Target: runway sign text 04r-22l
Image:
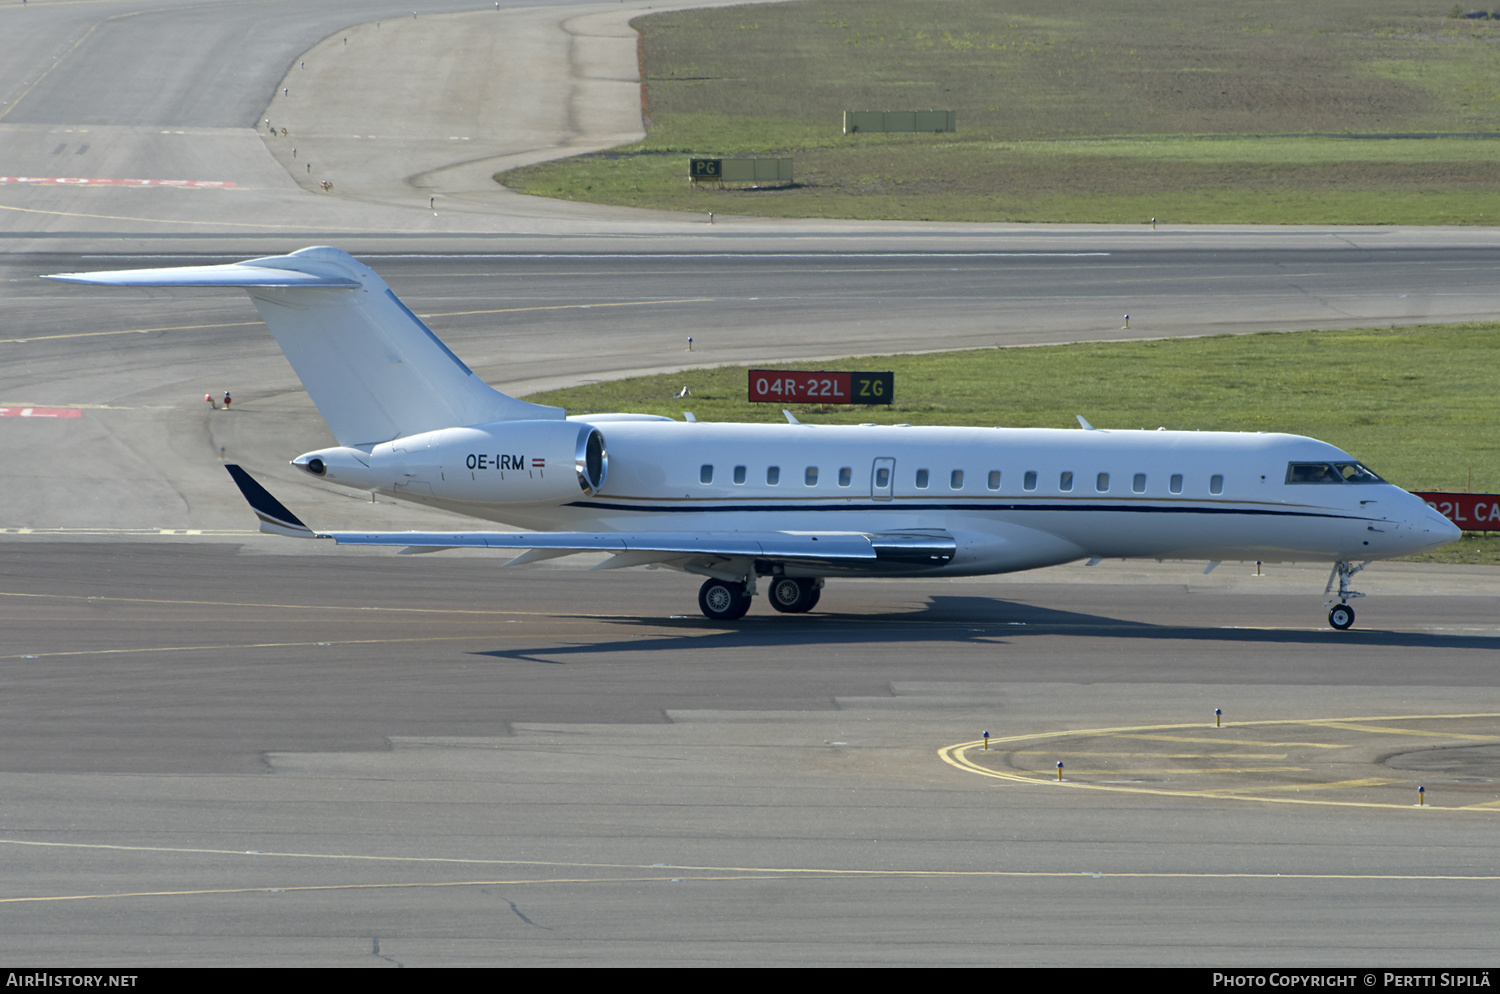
<point>783,386</point>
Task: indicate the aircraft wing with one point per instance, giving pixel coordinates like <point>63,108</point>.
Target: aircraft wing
<point>843,551</point>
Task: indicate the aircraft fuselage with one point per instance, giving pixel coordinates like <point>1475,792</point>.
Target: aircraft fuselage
<point>1012,498</point>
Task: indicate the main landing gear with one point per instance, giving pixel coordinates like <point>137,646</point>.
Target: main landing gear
<point>1341,615</point>
<point>794,596</point>
<point>724,600</point>
<point>727,600</point>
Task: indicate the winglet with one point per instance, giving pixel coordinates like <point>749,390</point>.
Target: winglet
<point>275,519</point>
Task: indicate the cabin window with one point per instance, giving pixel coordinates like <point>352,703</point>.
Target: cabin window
<point>1216,484</point>
<point>1101,483</point>
<point>1175,483</point>
<point>994,481</point>
<point>846,476</point>
<point>773,475</point>
<point>810,477</point>
<point>921,479</point>
<point>706,474</point>
<point>1065,482</point>
<point>1138,485</point>
<point>1030,482</point>
<point>739,474</point>
<point>956,480</point>
<point>882,478</point>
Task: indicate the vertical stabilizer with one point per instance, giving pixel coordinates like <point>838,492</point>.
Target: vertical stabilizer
<point>374,370</point>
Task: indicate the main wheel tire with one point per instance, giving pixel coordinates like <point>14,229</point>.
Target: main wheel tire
<point>721,600</point>
<point>792,596</point>
<point>1341,617</point>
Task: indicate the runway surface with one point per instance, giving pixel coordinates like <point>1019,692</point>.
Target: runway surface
<point>220,754</point>
<point>221,748</point>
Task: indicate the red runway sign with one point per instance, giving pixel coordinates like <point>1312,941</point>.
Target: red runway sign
<point>821,387</point>
<point>1471,512</point>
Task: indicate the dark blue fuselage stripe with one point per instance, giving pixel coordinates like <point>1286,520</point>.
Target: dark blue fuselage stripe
<point>893,506</point>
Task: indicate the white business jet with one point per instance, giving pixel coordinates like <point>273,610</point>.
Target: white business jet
<point>783,505</point>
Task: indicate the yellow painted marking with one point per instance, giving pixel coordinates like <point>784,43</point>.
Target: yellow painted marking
<point>280,607</point>
<point>210,532</point>
<point>1334,785</point>
<point>953,756</point>
<point>1153,755</point>
<point>497,614</point>
<point>309,135</point>
<point>43,75</point>
<point>652,873</point>
<point>1125,731</point>
<point>80,41</point>
<point>568,307</point>
<point>862,626</point>
<point>166,220</point>
<point>956,756</point>
<point>242,645</point>
<point>1186,770</point>
<point>294,888</point>
<point>125,331</point>
<point>1220,740</point>
<point>431,316</point>
<point>1401,731</point>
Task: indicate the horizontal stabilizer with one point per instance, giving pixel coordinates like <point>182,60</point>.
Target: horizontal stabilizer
<point>239,274</point>
<point>373,368</point>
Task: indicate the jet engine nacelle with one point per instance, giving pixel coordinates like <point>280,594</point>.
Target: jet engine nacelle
<point>507,461</point>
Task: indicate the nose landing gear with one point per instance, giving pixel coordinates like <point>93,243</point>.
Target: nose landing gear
<point>1341,615</point>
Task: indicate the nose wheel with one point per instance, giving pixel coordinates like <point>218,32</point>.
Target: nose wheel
<point>1341,615</point>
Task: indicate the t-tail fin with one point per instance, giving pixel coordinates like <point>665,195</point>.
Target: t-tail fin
<point>373,368</point>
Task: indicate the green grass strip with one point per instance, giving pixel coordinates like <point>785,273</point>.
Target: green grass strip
<point>1262,111</point>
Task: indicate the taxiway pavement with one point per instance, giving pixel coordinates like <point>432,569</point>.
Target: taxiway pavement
<point>221,748</point>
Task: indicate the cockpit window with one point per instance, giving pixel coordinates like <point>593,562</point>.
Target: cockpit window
<point>1330,472</point>
<point>1357,473</point>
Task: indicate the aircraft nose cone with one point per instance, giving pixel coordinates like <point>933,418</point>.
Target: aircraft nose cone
<point>1427,529</point>
<point>1441,527</point>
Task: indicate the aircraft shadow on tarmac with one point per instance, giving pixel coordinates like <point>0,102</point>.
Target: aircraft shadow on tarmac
<point>948,620</point>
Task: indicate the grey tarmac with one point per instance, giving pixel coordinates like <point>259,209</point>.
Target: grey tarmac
<point>220,748</point>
